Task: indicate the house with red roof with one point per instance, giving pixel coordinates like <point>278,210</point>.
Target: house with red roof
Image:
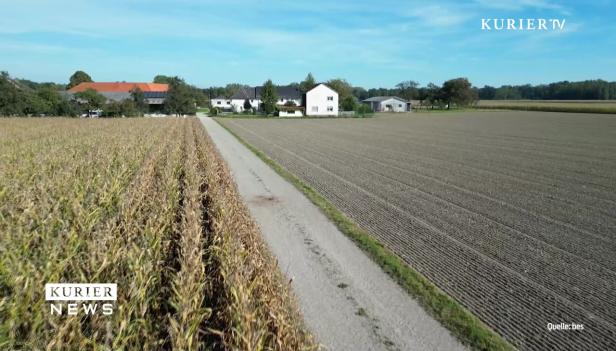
<point>154,93</point>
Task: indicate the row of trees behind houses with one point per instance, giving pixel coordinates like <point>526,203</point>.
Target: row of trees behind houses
<point>457,92</point>
<point>20,97</point>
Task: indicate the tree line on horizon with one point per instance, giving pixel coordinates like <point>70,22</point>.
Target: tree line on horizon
<point>22,97</point>
<point>412,90</point>
<point>25,97</point>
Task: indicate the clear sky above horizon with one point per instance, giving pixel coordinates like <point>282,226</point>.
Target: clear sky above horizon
<point>369,43</point>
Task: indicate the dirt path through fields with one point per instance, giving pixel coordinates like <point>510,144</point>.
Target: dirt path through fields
<point>347,300</point>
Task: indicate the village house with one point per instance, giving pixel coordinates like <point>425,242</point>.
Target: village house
<point>319,101</point>
<point>388,104</point>
<point>246,98</point>
<point>154,93</point>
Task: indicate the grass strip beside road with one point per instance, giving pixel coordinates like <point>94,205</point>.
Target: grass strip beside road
<point>469,329</point>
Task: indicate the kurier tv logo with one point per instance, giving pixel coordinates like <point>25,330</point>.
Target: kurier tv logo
<point>522,24</point>
<point>73,299</point>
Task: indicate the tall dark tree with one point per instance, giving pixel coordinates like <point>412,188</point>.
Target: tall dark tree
<point>408,89</point>
<point>342,87</point>
<point>458,91</point>
<point>77,78</point>
<point>180,99</point>
<point>269,97</point>
<point>348,103</point>
<point>90,99</point>
<point>432,94</point>
<point>307,84</point>
<point>139,101</point>
<point>162,79</point>
<point>231,89</point>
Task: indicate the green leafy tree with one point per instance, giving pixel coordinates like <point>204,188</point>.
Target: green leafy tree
<point>458,91</point>
<point>348,103</point>
<point>231,89</point>
<point>77,78</point>
<point>12,100</point>
<point>432,94</point>
<point>128,108</point>
<point>342,87</point>
<point>269,97</point>
<point>307,84</point>
<point>201,97</point>
<point>161,79</point>
<point>408,90</point>
<point>90,99</point>
<point>139,101</point>
<point>363,110</point>
<point>180,99</point>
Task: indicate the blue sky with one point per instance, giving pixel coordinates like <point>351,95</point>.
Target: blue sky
<point>369,43</point>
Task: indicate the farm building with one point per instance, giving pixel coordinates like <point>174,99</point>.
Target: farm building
<point>321,101</point>
<point>246,96</point>
<point>388,104</point>
<point>154,93</point>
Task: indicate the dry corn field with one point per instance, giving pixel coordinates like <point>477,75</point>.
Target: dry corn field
<point>513,214</point>
<point>144,203</point>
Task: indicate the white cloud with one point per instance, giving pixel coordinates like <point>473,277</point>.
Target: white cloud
<point>440,15</point>
<point>519,5</point>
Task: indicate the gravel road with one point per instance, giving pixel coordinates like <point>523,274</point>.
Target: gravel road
<point>346,299</point>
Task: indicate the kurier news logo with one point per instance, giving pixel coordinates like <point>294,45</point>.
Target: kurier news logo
<point>76,299</point>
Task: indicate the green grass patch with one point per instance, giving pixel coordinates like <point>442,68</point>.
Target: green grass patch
<point>469,329</point>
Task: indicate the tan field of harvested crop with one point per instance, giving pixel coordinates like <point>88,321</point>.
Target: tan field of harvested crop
<point>144,203</point>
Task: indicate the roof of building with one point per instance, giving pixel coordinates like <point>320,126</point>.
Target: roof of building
<point>287,92</point>
<point>383,98</point>
<point>244,93</point>
<point>119,87</point>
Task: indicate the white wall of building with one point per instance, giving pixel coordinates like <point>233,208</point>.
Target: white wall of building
<point>290,113</point>
<point>322,101</point>
<point>393,105</point>
<point>236,105</point>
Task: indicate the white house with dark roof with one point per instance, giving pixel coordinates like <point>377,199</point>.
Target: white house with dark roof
<point>321,101</point>
<point>388,104</point>
<point>252,96</point>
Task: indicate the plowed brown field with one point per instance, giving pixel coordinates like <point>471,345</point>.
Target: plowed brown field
<point>511,213</point>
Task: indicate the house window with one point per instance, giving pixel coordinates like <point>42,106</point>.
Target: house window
<point>229,102</point>
<point>330,98</point>
<point>218,102</point>
<point>330,108</point>
<point>315,108</point>
<point>399,105</point>
<point>281,100</point>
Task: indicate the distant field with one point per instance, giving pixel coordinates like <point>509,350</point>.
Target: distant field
<point>511,213</point>
<point>149,205</point>
<point>593,106</point>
